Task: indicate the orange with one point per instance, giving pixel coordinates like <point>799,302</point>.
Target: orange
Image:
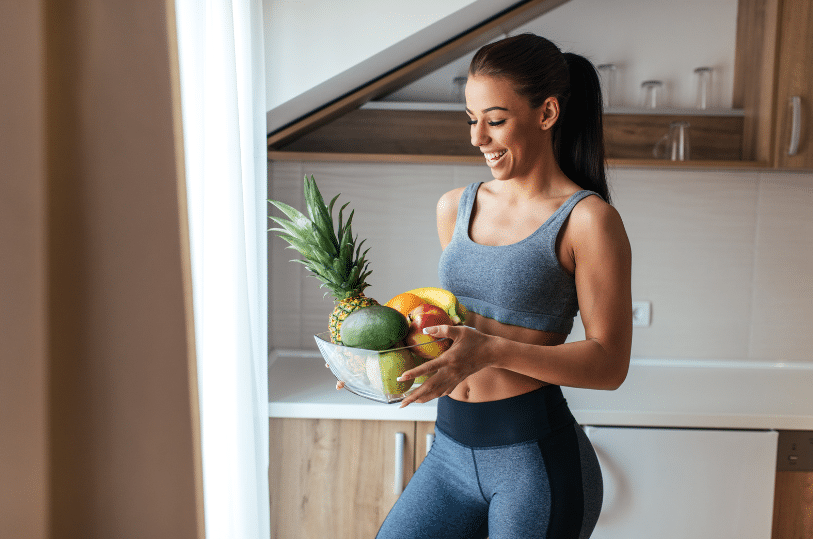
<point>404,303</point>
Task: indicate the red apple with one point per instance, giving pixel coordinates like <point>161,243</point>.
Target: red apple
<point>424,316</point>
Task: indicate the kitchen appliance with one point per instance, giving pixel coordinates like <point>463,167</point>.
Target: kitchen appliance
<point>669,483</point>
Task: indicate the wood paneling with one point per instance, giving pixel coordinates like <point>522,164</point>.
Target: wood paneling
<point>635,135</point>
<point>793,506</point>
<point>422,429</point>
<point>409,132</point>
<point>755,74</point>
<point>334,478</point>
<point>445,133</point>
<point>795,79</point>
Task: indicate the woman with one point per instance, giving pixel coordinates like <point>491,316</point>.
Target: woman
<point>523,252</point>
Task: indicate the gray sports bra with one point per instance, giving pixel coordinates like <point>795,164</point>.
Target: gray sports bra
<point>522,284</point>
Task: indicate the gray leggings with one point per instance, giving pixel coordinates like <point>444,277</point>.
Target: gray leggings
<point>518,468</point>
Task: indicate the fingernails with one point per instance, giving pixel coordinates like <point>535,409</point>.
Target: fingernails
<point>402,378</point>
<point>429,330</point>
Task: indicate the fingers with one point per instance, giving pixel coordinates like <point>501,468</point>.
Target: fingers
<point>440,331</point>
<point>426,393</point>
<point>339,385</point>
<point>420,370</point>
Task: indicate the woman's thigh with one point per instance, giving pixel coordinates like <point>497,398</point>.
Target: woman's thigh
<point>442,500</point>
<point>546,488</point>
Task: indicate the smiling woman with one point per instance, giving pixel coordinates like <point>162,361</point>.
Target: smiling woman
<point>523,253</point>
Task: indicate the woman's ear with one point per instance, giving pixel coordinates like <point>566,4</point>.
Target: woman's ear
<point>549,113</point>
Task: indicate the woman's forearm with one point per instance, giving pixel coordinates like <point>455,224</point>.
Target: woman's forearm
<point>585,364</point>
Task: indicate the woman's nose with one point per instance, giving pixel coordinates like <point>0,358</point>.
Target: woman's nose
<point>478,135</point>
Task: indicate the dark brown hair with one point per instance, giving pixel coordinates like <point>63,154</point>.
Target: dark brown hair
<point>537,69</point>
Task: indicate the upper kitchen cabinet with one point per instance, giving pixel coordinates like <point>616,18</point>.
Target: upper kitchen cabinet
<point>744,127</point>
<point>794,103</point>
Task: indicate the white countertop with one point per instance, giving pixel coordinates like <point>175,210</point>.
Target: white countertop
<point>657,393</point>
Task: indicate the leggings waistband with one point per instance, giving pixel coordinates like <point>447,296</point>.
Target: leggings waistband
<point>508,421</point>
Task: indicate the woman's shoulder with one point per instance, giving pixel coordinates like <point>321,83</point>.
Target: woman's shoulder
<point>592,217</point>
<point>449,202</point>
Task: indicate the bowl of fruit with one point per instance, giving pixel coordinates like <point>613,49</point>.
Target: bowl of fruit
<point>378,343</point>
<point>374,374</point>
<point>368,345</point>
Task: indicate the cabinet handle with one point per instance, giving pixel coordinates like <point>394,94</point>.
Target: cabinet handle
<point>429,439</point>
<point>796,124</point>
<point>398,480</point>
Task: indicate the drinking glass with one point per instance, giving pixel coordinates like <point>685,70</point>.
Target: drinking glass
<point>651,90</point>
<point>703,86</point>
<point>606,74</point>
<point>674,145</point>
<point>459,89</point>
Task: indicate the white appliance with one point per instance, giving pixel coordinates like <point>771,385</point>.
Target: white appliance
<point>665,483</point>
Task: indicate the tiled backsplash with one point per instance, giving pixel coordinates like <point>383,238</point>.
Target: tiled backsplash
<point>725,257</point>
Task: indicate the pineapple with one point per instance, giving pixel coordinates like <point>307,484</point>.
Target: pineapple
<point>333,257</point>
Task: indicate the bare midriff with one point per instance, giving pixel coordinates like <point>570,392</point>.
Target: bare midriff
<point>494,383</point>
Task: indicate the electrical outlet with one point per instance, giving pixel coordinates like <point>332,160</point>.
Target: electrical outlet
<point>641,313</point>
<point>795,451</point>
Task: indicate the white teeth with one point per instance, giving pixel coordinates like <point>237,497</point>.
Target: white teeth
<point>494,155</point>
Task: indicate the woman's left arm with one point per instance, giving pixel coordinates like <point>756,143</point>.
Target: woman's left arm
<point>597,242</point>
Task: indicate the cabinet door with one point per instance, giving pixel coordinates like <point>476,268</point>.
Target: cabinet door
<point>334,478</point>
<point>794,137</point>
<point>793,505</point>
<point>424,434</point>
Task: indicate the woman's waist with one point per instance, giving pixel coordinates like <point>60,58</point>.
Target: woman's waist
<point>520,418</point>
<point>493,384</point>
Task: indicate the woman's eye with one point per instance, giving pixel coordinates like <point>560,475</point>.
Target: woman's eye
<point>492,123</point>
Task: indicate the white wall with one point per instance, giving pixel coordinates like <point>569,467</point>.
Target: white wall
<point>725,257</point>
<point>310,41</point>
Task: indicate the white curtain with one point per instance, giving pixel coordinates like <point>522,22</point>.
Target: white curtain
<point>220,47</point>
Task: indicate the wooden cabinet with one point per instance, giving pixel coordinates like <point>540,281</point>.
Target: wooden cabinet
<point>334,478</point>
<point>794,103</point>
<point>793,506</point>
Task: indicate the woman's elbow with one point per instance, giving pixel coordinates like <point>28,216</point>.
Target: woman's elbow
<point>616,378</point>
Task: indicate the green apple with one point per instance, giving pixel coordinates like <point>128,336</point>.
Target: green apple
<point>384,369</point>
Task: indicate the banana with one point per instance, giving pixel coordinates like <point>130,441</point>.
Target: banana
<point>443,299</point>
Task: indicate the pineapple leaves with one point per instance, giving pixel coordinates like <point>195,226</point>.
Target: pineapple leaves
<point>332,255</point>
<point>319,212</point>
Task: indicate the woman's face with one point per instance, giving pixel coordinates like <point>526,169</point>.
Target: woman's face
<point>504,127</point>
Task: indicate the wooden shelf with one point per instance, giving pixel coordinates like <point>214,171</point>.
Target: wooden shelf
<point>441,135</point>
<point>477,160</point>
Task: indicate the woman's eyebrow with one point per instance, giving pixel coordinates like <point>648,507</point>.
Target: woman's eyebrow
<point>489,109</point>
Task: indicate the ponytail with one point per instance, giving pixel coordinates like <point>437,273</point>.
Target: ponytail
<point>537,70</point>
<point>578,143</point>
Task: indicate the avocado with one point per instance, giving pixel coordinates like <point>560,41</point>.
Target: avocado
<point>377,327</point>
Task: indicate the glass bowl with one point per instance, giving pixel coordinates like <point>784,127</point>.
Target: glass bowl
<point>372,374</point>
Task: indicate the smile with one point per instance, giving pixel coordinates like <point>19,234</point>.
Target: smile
<point>493,156</point>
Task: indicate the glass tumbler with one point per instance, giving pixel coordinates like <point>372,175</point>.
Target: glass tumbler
<point>651,90</point>
<point>703,86</point>
<point>674,145</point>
<point>606,73</point>
<point>459,89</point>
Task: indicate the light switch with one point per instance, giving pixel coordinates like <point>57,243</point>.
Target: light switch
<point>795,451</point>
<point>641,313</point>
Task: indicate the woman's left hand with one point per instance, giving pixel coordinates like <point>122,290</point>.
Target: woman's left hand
<point>465,357</point>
